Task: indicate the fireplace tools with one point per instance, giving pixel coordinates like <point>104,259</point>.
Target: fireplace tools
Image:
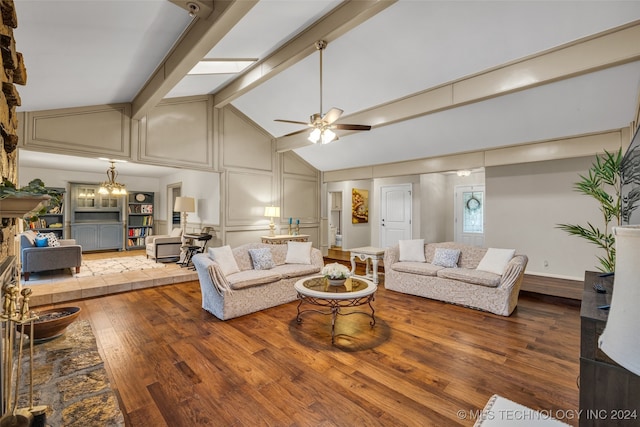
<point>16,314</point>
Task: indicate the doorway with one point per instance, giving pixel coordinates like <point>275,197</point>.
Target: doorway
<point>469,215</point>
<point>173,219</point>
<point>335,220</point>
<point>395,214</point>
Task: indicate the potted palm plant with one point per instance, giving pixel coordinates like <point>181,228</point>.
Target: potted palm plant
<point>607,182</point>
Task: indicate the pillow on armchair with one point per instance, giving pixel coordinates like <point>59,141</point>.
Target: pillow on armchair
<point>41,241</point>
<point>51,238</point>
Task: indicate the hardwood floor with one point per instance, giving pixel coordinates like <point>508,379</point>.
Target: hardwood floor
<point>424,363</point>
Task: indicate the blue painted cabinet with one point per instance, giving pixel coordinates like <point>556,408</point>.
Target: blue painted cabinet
<point>97,222</point>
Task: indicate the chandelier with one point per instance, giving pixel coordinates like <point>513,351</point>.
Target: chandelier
<point>111,186</point>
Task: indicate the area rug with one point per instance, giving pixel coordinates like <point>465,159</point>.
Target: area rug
<point>100,267</point>
<point>502,412</point>
<point>71,381</point>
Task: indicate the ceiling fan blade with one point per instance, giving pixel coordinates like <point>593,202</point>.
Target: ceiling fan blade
<point>296,132</point>
<point>291,121</point>
<point>332,115</point>
<point>351,127</point>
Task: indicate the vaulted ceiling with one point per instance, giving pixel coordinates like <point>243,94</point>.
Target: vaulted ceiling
<point>432,77</point>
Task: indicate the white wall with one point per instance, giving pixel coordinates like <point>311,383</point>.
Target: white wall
<point>203,186</point>
<point>524,204</point>
<point>353,235</point>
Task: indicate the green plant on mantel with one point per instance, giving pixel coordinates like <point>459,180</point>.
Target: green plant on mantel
<point>35,187</point>
<point>605,182</point>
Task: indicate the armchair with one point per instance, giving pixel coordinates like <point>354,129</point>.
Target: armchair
<point>35,259</point>
<point>164,245</point>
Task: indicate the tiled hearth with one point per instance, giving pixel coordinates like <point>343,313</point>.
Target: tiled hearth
<point>88,287</point>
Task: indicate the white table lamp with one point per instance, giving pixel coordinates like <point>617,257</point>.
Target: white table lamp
<point>620,339</point>
<point>271,212</point>
<point>184,205</point>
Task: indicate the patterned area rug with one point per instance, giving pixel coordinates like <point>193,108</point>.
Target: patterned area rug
<point>100,267</point>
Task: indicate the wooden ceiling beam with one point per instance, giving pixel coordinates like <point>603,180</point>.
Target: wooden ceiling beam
<point>343,18</point>
<point>203,34</point>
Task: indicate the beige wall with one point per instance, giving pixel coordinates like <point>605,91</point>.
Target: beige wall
<point>524,204</point>
<point>529,190</point>
<point>221,158</point>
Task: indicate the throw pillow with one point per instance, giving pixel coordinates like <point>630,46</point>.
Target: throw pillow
<point>496,260</point>
<point>261,259</point>
<point>298,253</point>
<point>52,239</point>
<point>41,241</point>
<point>31,236</point>
<point>412,250</point>
<point>224,257</point>
<point>446,257</point>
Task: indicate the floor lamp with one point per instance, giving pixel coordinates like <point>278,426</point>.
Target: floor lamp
<point>184,205</point>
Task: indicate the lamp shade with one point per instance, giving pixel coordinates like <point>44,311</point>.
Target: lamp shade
<point>620,339</point>
<point>185,204</point>
<point>272,211</point>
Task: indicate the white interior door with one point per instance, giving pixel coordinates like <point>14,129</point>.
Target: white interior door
<point>469,215</point>
<point>395,214</point>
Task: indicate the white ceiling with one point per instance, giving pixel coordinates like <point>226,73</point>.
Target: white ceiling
<point>88,52</point>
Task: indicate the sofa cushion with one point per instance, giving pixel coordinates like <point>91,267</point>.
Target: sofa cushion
<point>474,277</point>
<point>224,257</point>
<point>250,278</point>
<point>296,270</point>
<point>298,253</point>
<point>446,257</point>
<point>412,250</point>
<point>261,259</point>
<point>496,260</point>
<point>422,268</point>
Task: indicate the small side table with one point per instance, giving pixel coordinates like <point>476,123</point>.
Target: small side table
<point>282,239</point>
<point>191,250</point>
<point>366,254</point>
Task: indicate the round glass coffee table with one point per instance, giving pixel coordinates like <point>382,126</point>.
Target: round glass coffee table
<point>318,291</point>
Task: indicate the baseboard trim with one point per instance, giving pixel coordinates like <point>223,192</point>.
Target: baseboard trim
<point>553,286</point>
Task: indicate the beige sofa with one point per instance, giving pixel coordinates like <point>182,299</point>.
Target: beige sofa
<point>463,285</point>
<point>228,295</point>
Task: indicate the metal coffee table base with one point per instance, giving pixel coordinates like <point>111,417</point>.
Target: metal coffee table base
<point>335,305</point>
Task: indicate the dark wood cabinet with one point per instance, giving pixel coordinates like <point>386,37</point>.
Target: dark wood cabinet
<point>609,393</point>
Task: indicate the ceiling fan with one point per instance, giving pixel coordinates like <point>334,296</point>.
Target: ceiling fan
<point>323,125</point>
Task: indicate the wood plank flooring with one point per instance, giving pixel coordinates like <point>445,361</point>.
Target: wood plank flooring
<point>425,363</point>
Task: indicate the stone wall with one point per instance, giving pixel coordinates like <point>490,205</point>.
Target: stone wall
<point>12,72</point>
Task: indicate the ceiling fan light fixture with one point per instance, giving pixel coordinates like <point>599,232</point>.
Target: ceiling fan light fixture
<point>314,136</point>
<point>327,136</point>
<point>322,124</point>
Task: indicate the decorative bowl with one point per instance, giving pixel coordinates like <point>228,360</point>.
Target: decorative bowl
<point>336,282</point>
<point>52,323</point>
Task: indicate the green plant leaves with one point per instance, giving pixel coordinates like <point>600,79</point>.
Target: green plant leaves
<point>604,182</point>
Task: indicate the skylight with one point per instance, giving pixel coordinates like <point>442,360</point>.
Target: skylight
<point>221,66</point>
